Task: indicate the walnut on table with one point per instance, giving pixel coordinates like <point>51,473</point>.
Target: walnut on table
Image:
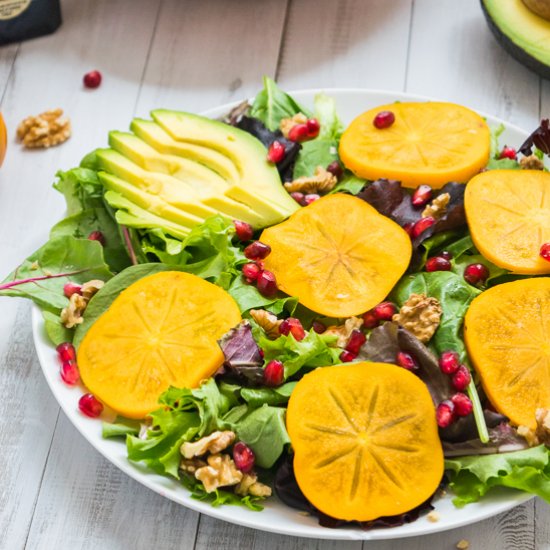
<point>213,444</point>
<point>420,315</point>
<point>321,182</point>
<point>44,130</point>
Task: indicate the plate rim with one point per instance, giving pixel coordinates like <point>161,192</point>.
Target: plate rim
<point>147,478</point>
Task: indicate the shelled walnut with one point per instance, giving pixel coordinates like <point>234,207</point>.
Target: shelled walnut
<point>44,130</point>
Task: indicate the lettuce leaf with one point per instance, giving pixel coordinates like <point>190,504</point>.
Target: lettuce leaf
<point>472,476</point>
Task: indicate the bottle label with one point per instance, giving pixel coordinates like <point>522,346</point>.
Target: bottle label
<point>12,8</point>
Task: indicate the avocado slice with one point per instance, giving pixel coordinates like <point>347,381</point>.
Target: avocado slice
<point>208,183</point>
<point>521,32</point>
<point>259,180</point>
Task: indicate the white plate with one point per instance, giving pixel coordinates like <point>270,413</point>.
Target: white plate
<point>276,517</point>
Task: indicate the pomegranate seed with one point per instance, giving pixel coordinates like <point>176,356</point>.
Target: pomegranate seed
<point>385,311</point>
<point>318,327</point>
<point>71,288</point>
<point>312,197</point>
<point>69,373</point>
<point>262,352</point>
<point>97,236</point>
<point>313,128</point>
<point>422,195</point>
<point>92,79</point>
<point>445,413</point>
<point>384,119</point>
<point>408,227</point>
<point>438,263</point>
<point>421,225</point>
<point>243,230</point>
<point>347,356</point>
<point>335,168</point>
<point>293,326</point>
<point>461,378</point>
<point>407,361</point>
<point>298,197</point>
<point>370,320</point>
<point>449,362</point>
<point>274,373</point>
<point>244,457</point>
<point>257,251</point>
<point>446,254</point>
<point>356,340</point>
<point>476,274</point>
<point>251,271</point>
<point>266,283</point>
<point>545,251</point>
<point>66,352</point>
<point>299,132</point>
<point>508,153</point>
<point>463,404</point>
<point>276,152</point>
<point>90,405</point>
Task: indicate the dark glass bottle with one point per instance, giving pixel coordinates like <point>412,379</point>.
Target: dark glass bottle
<point>24,19</point>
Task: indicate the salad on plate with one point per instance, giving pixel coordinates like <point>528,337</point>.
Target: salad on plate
<point>352,319</point>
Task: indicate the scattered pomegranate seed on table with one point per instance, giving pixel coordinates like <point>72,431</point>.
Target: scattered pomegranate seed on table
<point>69,373</point>
<point>445,413</point>
<point>90,405</point>
<point>276,152</point>
<point>292,326</point>
<point>243,230</point>
<point>298,197</point>
<point>370,320</point>
<point>274,373</point>
<point>97,236</point>
<point>347,356</point>
<point>257,251</point>
<point>356,340</point>
<point>384,119</point>
<point>461,378</point>
<point>508,153</point>
<point>66,352</point>
<point>92,79</point>
<point>422,195</point>
<point>476,274</point>
<point>545,251</point>
<point>312,197</point>
<point>313,127</point>
<point>244,457</point>
<point>71,288</point>
<point>449,362</point>
<point>407,361</point>
<point>335,168</point>
<point>251,272</point>
<point>266,284</point>
<point>299,132</point>
<point>421,225</point>
<point>463,404</point>
<point>437,263</point>
<point>385,311</point>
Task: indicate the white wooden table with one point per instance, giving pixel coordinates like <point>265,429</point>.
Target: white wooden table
<point>56,492</point>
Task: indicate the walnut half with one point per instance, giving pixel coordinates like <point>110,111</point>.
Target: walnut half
<point>420,315</point>
<point>220,472</point>
<point>213,443</point>
<point>44,130</point>
<point>321,182</point>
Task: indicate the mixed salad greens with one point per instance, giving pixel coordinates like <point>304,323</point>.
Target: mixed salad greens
<point>482,449</point>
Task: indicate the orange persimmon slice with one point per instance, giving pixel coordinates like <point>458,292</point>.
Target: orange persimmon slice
<point>365,440</point>
<point>429,142</point>
<point>339,256</point>
<point>160,331</point>
<point>508,213</point>
<point>507,333</point>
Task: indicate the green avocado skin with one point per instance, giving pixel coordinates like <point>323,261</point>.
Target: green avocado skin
<point>536,65</point>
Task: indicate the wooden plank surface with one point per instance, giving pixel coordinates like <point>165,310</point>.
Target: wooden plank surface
<point>57,492</point>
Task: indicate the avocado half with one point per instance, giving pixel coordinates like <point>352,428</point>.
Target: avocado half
<point>521,32</point>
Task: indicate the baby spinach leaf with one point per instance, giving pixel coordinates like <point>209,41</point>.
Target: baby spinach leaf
<point>256,397</point>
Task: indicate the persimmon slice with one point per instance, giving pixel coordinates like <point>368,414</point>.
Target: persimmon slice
<point>429,142</point>
<point>339,256</point>
<point>365,440</point>
<point>508,214</point>
<point>507,333</point>
<point>160,331</point>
